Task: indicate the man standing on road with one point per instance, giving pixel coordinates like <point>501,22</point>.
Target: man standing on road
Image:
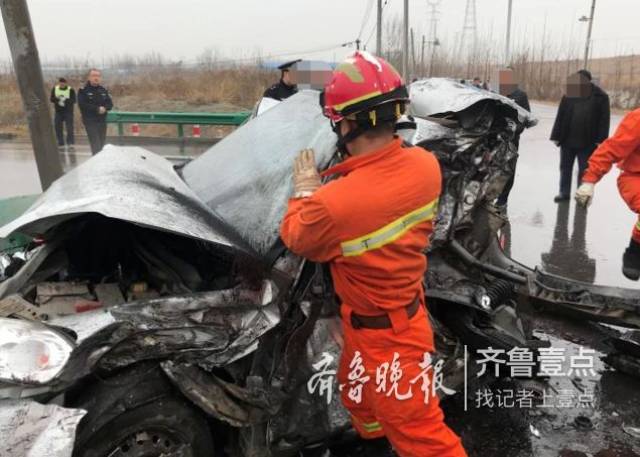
<point>63,98</point>
<point>508,87</point>
<point>94,102</point>
<point>622,148</point>
<point>581,124</point>
<point>372,224</point>
<point>286,87</point>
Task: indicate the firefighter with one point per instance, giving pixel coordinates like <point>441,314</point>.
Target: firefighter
<point>63,98</point>
<point>94,102</point>
<point>622,148</point>
<point>286,87</point>
<point>372,225</point>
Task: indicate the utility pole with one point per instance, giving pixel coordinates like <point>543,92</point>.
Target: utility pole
<point>590,19</point>
<point>413,54</point>
<point>405,42</point>
<point>469,32</point>
<point>507,51</point>
<point>433,32</point>
<point>379,30</point>
<point>422,72</point>
<point>26,63</point>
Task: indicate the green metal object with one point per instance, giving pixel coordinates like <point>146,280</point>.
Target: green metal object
<point>10,209</point>
<point>127,117</point>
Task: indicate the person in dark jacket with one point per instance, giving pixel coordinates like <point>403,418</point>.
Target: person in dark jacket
<point>510,89</point>
<point>63,98</point>
<point>94,102</point>
<point>581,124</point>
<point>286,87</point>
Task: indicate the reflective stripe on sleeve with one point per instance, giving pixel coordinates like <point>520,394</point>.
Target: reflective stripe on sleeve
<point>389,232</point>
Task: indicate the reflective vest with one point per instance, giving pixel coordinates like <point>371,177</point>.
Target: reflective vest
<point>63,93</point>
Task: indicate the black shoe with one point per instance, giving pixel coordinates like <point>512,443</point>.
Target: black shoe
<point>631,261</point>
<point>561,198</point>
<point>379,447</point>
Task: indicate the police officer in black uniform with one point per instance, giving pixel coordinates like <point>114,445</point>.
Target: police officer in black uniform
<point>94,102</point>
<point>285,88</point>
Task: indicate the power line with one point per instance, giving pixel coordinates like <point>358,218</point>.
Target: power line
<point>284,54</point>
<point>365,19</point>
<point>373,28</point>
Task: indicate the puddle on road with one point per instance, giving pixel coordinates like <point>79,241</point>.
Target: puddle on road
<point>601,425</point>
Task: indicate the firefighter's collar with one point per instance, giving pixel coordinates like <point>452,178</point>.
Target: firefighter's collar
<point>352,163</point>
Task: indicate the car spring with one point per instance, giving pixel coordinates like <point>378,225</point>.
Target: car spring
<point>500,291</point>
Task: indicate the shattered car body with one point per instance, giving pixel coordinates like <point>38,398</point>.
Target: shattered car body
<point>178,297</point>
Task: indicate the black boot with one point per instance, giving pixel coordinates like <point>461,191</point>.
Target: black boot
<point>631,261</point>
<point>379,447</point>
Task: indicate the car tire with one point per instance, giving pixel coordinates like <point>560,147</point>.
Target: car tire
<point>138,412</point>
<point>168,426</point>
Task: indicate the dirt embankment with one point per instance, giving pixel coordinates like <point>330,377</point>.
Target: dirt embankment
<point>163,90</point>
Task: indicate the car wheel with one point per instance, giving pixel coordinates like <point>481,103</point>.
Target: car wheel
<point>166,427</point>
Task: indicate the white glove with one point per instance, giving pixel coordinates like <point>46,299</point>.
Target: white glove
<point>584,194</point>
<point>306,179</point>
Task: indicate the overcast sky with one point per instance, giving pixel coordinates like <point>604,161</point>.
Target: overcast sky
<point>181,30</point>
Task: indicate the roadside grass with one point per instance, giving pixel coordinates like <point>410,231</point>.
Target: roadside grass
<point>162,88</point>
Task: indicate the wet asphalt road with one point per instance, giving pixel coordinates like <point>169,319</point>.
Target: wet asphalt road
<point>582,245</point>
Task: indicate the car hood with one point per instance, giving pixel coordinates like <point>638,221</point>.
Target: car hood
<point>130,184</point>
<point>247,177</point>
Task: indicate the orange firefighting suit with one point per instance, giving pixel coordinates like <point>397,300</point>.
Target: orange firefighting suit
<point>372,224</point>
<point>622,148</point>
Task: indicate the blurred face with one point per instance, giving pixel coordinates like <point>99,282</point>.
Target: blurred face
<point>508,82</point>
<point>62,85</point>
<point>578,86</point>
<point>311,75</point>
<point>95,77</point>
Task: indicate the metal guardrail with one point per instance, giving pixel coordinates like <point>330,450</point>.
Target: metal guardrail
<point>179,119</point>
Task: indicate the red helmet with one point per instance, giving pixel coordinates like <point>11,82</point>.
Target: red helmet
<point>360,86</point>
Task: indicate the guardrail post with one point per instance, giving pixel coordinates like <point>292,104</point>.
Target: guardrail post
<point>181,136</point>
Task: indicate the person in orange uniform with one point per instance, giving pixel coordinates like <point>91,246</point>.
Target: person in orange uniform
<point>622,148</point>
<point>372,224</point>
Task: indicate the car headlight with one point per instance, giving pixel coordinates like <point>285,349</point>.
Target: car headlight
<point>30,352</point>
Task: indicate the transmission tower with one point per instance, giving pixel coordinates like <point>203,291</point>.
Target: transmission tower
<point>469,35</point>
<point>433,31</point>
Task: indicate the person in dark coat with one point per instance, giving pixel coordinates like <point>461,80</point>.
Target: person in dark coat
<point>286,87</point>
<point>510,89</point>
<point>581,124</point>
<point>63,98</point>
<point>94,102</point>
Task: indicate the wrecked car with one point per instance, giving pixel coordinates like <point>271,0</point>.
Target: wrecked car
<point>156,312</point>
